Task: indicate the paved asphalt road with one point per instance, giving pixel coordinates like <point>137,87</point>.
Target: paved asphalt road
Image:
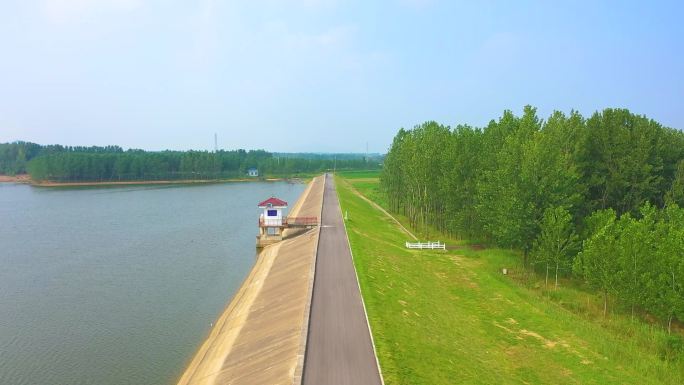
<point>339,348</point>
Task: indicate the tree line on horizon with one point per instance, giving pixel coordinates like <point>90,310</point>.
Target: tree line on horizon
<point>14,157</point>
<point>111,163</point>
<point>597,198</point>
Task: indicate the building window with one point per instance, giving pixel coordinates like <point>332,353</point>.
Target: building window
<point>272,213</point>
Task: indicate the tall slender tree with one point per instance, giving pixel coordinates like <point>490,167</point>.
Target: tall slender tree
<point>557,242</point>
<point>597,262</point>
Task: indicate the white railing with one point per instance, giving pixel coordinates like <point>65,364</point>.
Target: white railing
<point>270,222</point>
<point>426,245</point>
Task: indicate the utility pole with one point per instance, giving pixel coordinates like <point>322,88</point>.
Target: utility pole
<point>215,142</point>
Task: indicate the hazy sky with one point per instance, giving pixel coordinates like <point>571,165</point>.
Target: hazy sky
<point>322,75</point>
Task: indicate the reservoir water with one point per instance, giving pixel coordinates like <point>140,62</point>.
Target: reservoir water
<point>119,285</point>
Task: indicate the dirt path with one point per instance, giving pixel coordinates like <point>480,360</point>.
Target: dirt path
<point>378,207</point>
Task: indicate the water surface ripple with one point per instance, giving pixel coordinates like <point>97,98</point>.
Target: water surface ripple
<point>119,285</point>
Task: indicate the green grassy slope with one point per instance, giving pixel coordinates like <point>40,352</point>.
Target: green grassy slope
<point>452,317</point>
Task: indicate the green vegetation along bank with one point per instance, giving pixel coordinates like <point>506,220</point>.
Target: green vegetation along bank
<point>56,163</point>
<point>598,199</point>
<point>452,317</point>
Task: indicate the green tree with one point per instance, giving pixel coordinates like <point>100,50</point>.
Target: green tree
<point>676,192</point>
<point>557,241</point>
<point>596,263</point>
<point>533,173</point>
<point>634,247</point>
<point>622,164</point>
<point>665,282</point>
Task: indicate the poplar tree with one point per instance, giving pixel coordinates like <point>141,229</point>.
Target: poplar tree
<point>557,241</point>
<point>635,252</point>
<point>676,192</point>
<point>597,262</point>
<point>666,278</point>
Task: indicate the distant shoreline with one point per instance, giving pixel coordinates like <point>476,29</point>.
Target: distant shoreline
<point>26,179</point>
<point>21,178</point>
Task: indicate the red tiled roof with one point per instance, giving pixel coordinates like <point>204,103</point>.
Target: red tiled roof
<point>274,202</point>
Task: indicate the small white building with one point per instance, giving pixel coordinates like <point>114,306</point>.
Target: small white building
<point>273,212</point>
<point>271,221</point>
<point>253,172</point>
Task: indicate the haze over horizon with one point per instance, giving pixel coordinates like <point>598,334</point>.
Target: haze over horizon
<point>322,75</point>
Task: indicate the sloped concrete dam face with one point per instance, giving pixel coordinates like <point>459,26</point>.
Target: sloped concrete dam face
<point>261,336</point>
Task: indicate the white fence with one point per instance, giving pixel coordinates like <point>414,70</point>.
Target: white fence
<point>426,245</point>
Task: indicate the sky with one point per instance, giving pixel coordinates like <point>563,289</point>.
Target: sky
<point>323,75</point>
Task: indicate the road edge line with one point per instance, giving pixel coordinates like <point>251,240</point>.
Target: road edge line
<point>356,274</point>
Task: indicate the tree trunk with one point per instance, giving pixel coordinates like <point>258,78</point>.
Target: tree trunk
<point>556,276</point>
<point>669,319</point>
<point>605,303</point>
<point>546,284</point>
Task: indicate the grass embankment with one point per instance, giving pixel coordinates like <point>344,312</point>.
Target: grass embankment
<point>452,317</point>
